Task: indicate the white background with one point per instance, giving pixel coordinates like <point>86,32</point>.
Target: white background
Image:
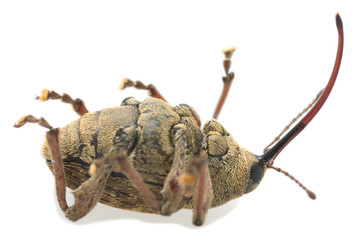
<point>285,54</point>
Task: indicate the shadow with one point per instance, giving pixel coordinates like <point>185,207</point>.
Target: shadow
<point>183,217</point>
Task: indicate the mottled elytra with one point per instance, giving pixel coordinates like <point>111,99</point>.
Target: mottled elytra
<point>151,157</point>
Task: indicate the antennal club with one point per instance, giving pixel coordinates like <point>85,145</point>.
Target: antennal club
<point>309,193</point>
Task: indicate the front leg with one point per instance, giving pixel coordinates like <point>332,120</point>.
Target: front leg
<point>187,176</point>
<point>203,189</point>
<point>227,80</point>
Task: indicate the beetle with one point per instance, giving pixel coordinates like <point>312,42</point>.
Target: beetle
<point>151,157</point>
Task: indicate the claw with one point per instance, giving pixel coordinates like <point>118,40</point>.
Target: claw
<point>126,82</point>
<point>44,95</point>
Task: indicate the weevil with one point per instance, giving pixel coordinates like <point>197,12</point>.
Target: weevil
<point>151,157</point>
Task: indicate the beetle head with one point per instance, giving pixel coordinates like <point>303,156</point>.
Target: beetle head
<point>243,171</point>
<point>229,164</point>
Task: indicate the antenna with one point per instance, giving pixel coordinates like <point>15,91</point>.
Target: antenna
<point>310,193</point>
<point>270,154</point>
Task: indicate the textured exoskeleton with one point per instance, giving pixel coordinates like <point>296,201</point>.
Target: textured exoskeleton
<point>153,133</point>
<point>151,157</point>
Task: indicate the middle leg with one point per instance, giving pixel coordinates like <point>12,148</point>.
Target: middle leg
<point>152,90</point>
<point>173,190</point>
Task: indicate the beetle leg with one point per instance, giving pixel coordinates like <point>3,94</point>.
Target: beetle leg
<point>199,169</point>
<point>152,90</point>
<point>135,178</point>
<point>77,104</point>
<point>198,180</point>
<point>227,79</point>
<point>31,119</point>
<point>173,189</point>
<point>52,138</point>
<point>88,194</point>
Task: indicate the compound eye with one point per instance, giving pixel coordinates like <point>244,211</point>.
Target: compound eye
<point>217,145</point>
<point>256,172</point>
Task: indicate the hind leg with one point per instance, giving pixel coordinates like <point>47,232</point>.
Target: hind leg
<point>78,105</point>
<point>86,195</point>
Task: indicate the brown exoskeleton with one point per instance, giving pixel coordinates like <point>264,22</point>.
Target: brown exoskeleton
<point>151,157</point>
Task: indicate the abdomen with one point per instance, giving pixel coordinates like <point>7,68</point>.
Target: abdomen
<point>91,137</point>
